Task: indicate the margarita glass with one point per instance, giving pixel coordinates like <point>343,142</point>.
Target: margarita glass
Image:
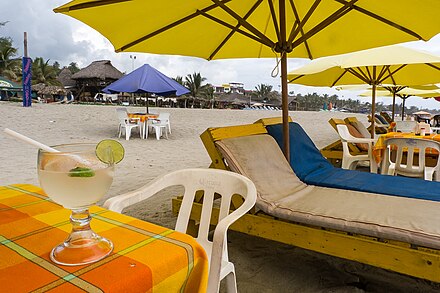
<point>76,178</point>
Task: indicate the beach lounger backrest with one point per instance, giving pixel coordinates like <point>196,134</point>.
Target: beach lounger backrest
<point>259,165</point>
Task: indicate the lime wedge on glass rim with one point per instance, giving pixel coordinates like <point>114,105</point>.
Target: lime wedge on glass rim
<point>102,149</point>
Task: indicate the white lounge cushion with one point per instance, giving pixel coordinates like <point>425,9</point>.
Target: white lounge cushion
<point>282,194</point>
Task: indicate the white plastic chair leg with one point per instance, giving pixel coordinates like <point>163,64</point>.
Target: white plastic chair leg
<point>157,130</point>
<point>231,283</point>
<point>166,132</point>
<point>119,131</point>
<point>127,133</point>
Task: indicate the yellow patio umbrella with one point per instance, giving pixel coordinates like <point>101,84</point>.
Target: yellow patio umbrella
<point>390,65</point>
<point>215,29</point>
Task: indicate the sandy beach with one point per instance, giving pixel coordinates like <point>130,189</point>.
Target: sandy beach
<point>261,265</point>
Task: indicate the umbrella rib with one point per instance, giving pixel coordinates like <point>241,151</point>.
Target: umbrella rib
<point>326,22</point>
<point>340,76</point>
<point>274,19</point>
<point>302,22</point>
<point>243,22</point>
<point>391,76</point>
<point>433,66</point>
<point>392,73</point>
<point>382,72</point>
<point>368,74</point>
<point>384,20</point>
<point>235,30</point>
<point>361,75</point>
<point>296,78</point>
<point>167,27</point>
<point>298,23</point>
<point>89,5</point>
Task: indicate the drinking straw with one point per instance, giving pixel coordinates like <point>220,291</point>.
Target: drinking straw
<point>43,146</point>
<point>30,141</point>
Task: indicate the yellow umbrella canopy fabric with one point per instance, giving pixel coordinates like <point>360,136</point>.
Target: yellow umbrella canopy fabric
<point>219,29</point>
<point>216,29</point>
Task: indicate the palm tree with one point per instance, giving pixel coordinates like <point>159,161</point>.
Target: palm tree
<point>262,92</point>
<point>42,72</point>
<point>194,83</point>
<point>9,64</point>
<point>208,94</point>
<point>179,79</point>
<point>73,67</point>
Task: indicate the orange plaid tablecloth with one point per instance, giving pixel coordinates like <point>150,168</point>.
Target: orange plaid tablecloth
<point>146,257</point>
<point>142,117</point>
<point>379,147</point>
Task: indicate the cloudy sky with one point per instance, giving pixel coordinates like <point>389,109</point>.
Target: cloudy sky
<point>60,38</point>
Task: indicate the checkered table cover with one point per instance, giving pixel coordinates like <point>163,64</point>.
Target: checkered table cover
<point>146,257</point>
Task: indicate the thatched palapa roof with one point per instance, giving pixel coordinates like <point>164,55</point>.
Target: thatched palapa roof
<point>235,98</point>
<point>102,70</point>
<point>65,77</point>
<point>44,89</point>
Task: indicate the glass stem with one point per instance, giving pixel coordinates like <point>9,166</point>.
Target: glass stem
<point>80,220</point>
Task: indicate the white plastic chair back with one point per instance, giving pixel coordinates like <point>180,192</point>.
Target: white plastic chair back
<point>211,182</point>
<point>125,124</point>
<point>122,115</point>
<point>350,161</point>
<point>164,119</point>
<point>410,146</point>
<point>425,126</point>
<point>406,126</point>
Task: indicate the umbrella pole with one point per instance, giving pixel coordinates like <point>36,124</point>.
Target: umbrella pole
<point>283,47</point>
<point>403,108</point>
<point>373,110</point>
<point>285,106</point>
<point>394,105</point>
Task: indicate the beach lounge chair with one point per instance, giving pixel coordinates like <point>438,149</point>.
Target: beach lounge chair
<point>386,116</point>
<point>307,203</point>
<point>213,183</point>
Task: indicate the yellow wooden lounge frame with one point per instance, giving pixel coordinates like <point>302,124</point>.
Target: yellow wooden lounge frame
<point>392,255</point>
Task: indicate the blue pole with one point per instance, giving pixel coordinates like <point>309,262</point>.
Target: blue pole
<point>27,78</point>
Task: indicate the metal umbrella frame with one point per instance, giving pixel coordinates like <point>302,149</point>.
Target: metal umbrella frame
<point>256,28</point>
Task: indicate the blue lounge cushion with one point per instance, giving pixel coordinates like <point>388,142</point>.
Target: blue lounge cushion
<point>312,168</point>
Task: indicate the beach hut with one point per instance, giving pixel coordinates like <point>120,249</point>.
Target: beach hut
<point>65,77</point>
<point>49,93</point>
<point>93,78</point>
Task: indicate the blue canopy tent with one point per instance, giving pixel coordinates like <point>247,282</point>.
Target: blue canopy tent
<point>147,79</point>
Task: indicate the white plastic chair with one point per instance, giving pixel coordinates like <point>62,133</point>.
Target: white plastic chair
<point>210,181</point>
<point>127,124</point>
<point>350,161</point>
<point>408,169</point>
<point>161,125</point>
<point>406,126</point>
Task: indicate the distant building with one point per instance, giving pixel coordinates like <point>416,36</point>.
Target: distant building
<point>232,87</point>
